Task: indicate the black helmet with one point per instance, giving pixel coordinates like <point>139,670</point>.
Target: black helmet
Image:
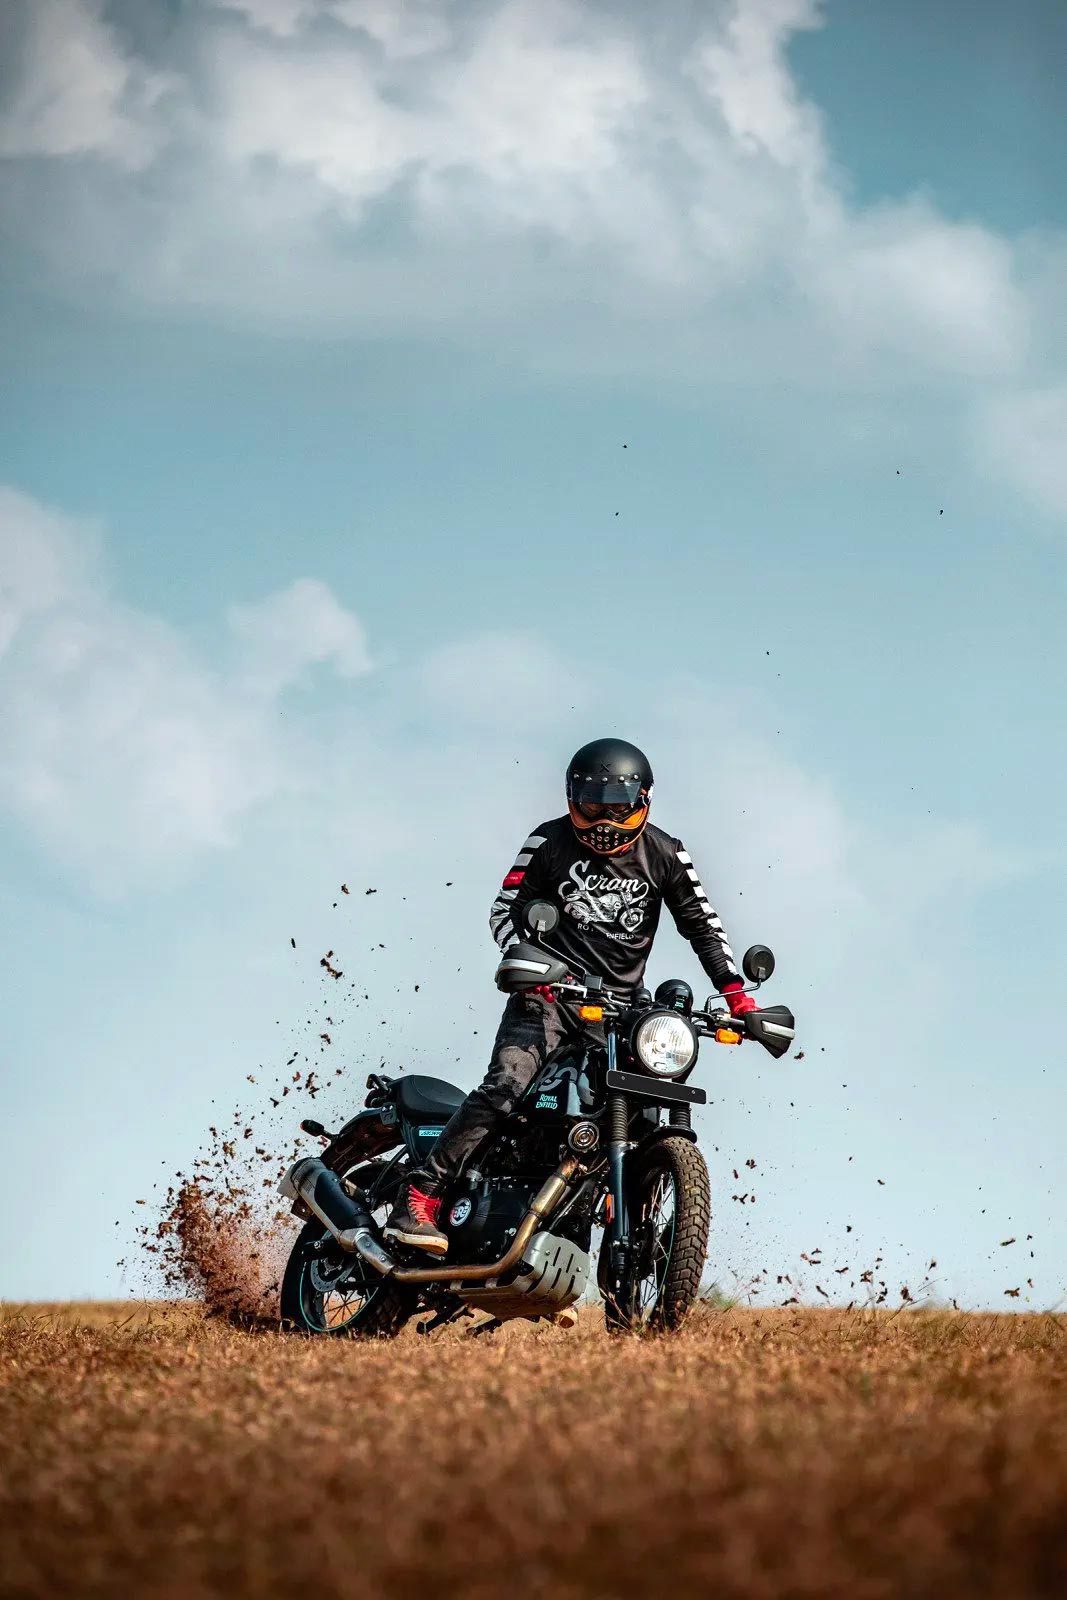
<point>609,786</point>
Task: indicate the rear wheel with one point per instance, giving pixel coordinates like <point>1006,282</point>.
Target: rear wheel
<point>325,1292</point>
<point>669,1203</point>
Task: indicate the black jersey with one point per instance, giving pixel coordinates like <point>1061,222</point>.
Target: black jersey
<point>609,906</point>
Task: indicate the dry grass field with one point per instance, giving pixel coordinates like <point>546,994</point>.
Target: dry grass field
<point>798,1453</point>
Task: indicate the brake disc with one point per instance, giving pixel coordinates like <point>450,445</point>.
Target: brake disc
<point>325,1275</point>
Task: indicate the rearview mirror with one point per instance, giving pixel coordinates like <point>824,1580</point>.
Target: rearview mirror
<point>541,917</point>
<point>757,964</point>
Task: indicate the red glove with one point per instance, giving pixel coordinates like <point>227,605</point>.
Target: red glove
<point>737,1000</point>
<point>544,991</point>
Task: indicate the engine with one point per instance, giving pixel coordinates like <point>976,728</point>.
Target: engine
<point>481,1217</point>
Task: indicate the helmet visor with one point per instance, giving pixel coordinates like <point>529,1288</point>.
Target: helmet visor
<point>604,792</point>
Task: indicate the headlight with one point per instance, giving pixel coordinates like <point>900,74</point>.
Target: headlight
<point>665,1044</point>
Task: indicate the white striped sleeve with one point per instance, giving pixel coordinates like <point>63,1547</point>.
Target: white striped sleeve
<point>501,923</point>
<point>699,922</point>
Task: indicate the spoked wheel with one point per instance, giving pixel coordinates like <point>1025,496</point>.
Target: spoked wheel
<point>660,1212</point>
<point>669,1201</point>
<point>325,1292</point>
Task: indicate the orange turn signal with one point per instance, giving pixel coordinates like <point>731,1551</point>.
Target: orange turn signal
<point>591,1013</point>
<point>727,1036</point>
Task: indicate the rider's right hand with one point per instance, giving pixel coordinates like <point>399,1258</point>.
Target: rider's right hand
<point>737,1000</point>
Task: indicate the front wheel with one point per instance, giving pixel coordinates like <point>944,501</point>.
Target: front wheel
<point>669,1203</point>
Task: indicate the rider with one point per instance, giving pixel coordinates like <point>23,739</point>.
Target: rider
<point>608,871</point>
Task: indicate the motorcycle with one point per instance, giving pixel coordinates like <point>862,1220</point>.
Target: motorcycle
<point>602,1138</point>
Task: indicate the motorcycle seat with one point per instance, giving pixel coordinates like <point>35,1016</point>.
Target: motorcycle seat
<point>428,1097</point>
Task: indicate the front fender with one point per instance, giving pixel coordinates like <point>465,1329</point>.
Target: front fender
<point>654,1135</point>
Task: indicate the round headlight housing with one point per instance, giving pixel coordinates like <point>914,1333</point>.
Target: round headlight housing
<point>665,1044</point>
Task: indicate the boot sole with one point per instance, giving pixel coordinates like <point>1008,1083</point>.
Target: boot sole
<point>435,1245</point>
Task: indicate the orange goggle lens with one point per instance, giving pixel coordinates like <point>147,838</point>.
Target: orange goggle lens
<point>593,812</point>
<point>618,816</point>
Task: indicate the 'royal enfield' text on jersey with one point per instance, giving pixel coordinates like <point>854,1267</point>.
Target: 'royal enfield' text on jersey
<point>610,905</point>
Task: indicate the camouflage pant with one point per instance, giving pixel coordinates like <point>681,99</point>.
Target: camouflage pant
<point>531,1029</point>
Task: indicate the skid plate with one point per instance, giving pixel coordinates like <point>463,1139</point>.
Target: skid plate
<point>553,1273</point>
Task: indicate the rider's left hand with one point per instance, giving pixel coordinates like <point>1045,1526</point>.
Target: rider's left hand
<point>737,1000</point>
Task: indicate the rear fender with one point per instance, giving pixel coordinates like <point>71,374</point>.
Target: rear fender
<point>368,1133</point>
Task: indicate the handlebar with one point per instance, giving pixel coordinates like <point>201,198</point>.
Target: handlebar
<point>706,1020</point>
<point>773,1027</point>
<point>529,966</point>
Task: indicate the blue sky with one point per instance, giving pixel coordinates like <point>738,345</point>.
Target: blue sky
<point>324,326</point>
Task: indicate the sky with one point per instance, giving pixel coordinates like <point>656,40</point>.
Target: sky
<point>396,396</point>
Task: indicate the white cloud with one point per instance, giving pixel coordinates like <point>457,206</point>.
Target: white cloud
<point>283,18</point>
<point>302,626</point>
<point>544,96</point>
<point>374,164</point>
<point>490,679</point>
<point>43,562</point>
<point>1022,440</point>
<point>744,70</point>
<point>904,279</point>
<point>412,28</point>
<point>122,749</point>
<point>402,28</point>
<point>326,119</point>
<point>77,91</point>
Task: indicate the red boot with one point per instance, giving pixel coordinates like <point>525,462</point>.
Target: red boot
<point>413,1220</point>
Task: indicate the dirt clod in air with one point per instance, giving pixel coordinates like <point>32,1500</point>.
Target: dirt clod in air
<point>215,1246</point>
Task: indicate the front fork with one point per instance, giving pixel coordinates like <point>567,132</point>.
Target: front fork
<point>618,1141</point>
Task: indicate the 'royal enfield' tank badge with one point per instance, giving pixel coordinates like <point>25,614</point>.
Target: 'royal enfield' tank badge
<point>460,1212</point>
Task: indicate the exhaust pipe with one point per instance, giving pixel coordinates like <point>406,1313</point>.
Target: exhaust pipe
<point>347,1218</point>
